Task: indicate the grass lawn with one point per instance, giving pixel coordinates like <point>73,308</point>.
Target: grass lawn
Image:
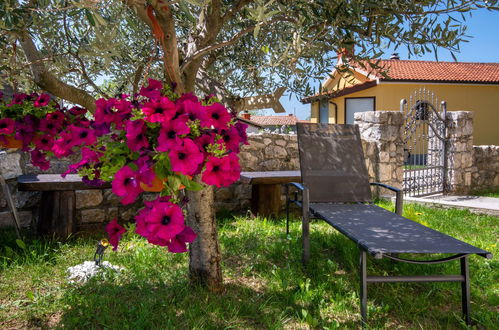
<point>266,286</point>
<point>488,193</point>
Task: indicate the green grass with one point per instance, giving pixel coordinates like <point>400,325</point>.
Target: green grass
<point>265,284</point>
<point>487,193</point>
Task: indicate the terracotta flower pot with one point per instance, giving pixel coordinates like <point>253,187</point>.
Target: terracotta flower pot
<point>11,142</point>
<point>156,185</point>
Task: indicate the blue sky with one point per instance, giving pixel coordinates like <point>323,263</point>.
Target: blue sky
<point>483,46</point>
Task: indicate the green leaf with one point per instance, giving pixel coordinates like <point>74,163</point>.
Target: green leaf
<point>21,244</point>
<point>194,186</point>
<point>90,17</point>
<point>173,182</point>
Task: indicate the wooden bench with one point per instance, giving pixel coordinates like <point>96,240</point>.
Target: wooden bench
<point>57,214</point>
<point>266,189</point>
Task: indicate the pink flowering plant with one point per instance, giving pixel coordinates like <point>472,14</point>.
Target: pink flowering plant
<point>34,123</point>
<point>156,141</point>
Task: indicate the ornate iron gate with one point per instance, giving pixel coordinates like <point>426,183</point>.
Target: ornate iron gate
<point>425,163</point>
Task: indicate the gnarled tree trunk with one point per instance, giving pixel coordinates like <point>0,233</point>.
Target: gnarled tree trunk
<point>204,252</point>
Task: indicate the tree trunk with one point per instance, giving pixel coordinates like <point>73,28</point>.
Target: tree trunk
<point>204,252</point>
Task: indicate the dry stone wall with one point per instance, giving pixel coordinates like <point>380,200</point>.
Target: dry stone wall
<point>381,133</point>
<point>264,152</point>
<point>486,168</point>
<point>460,151</point>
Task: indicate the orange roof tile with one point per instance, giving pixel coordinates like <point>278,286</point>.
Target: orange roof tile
<point>455,72</point>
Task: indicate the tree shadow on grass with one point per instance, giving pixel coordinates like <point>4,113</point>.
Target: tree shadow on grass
<point>266,286</point>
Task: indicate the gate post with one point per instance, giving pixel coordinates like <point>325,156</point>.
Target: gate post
<point>459,151</point>
<point>381,133</point>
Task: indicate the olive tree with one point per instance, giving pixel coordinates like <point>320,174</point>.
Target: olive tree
<point>80,50</point>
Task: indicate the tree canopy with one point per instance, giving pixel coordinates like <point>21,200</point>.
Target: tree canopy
<point>83,49</point>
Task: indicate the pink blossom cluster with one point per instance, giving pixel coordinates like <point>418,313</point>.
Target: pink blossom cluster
<point>42,127</point>
<point>136,143</point>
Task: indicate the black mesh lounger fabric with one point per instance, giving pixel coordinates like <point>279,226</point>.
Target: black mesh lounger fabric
<point>380,232</point>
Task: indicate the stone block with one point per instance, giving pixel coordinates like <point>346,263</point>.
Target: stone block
<point>281,143</point>
<point>93,215</point>
<point>275,152</point>
<point>26,199</point>
<point>223,194</point>
<point>7,220</point>
<point>112,213</point>
<point>10,165</point>
<point>110,198</point>
<point>127,214</point>
<point>88,198</point>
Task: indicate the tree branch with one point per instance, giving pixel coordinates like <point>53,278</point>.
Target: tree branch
<point>238,6</point>
<point>47,81</point>
<point>234,39</point>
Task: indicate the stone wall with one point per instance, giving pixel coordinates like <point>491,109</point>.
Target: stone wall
<point>381,133</point>
<point>265,152</point>
<point>486,168</point>
<point>460,151</point>
<point>93,207</point>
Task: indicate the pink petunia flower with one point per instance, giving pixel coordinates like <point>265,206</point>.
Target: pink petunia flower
<point>159,110</point>
<point>114,231</point>
<point>18,99</point>
<point>169,134</point>
<point>44,142</point>
<point>204,141</point>
<point>7,126</point>
<point>231,139</point>
<point>88,156</point>
<point>241,128</point>
<point>153,90</point>
<point>82,135</point>
<point>106,112</point>
<point>126,185</point>
<point>38,159</point>
<point>216,116</point>
<point>222,172</point>
<point>164,222</point>
<point>50,126</point>
<point>42,100</point>
<point>57,116</point>
<point>178,243</point>
<point>77,111</point>
<point>136,135</point>
<point>187,158</point>
<point>24,131</point>
<point>63,145</point>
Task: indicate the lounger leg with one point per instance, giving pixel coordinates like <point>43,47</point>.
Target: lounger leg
<point>363,286</point>
<point>305,227</point>
<point>287,209</point>
<point>465,290</point>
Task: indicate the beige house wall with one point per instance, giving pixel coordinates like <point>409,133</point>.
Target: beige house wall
<point>483,100</point>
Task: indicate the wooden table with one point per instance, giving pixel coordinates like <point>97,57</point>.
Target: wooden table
<point>57,214</point>
<point>266,189</point>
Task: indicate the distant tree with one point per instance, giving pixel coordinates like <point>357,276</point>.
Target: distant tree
<point>232,48</point>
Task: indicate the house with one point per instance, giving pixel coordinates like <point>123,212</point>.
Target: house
<point>252,126</point>
<point>464,86</point>
<point>274,123</point>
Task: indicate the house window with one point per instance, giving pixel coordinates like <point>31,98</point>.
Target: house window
<point>324,111</point>
<point>422,110</point>
<point>357,104</point>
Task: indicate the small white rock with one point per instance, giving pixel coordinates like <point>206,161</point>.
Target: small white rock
<point>83,272</point>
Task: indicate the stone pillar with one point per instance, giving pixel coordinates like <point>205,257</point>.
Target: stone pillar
<point>459,151</point>
<point>381,132</point>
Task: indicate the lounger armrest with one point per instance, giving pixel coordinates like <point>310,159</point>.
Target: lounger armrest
<point>297,185</point>
<point>399,203</point>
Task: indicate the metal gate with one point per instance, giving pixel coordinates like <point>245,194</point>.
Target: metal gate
<point>425,161</point>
